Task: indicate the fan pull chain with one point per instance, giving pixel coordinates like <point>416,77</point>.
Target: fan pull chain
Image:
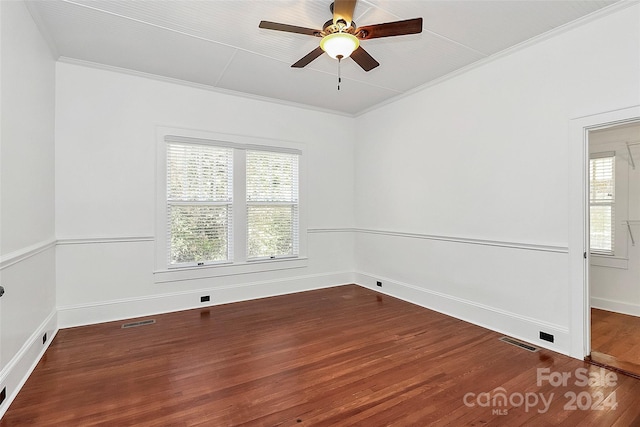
<point>339,76</point>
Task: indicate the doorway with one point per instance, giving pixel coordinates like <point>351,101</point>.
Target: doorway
<point>614,245</point>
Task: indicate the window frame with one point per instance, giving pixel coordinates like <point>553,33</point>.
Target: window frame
<point>612,204</point>
<point>239,262</point>
<point>622,190</point>
<point>295,204</point>
<point>228,204</point>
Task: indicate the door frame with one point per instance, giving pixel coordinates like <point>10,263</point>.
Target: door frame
<point>579,256</point>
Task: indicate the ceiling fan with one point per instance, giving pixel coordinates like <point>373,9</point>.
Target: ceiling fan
<point>341,38</point>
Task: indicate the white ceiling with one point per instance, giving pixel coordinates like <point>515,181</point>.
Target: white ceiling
<point>218,43</point>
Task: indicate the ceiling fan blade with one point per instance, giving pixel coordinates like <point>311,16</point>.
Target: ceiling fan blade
<point>288,28</point>
<point>389,29</point>
<point>306,60</point>
<point>363,59</point>
<point>343,9</point>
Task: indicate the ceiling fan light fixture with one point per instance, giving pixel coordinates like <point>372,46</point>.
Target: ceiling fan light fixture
<point>339,44</point>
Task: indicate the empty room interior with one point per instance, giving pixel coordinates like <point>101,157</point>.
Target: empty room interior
<point>285,212</point>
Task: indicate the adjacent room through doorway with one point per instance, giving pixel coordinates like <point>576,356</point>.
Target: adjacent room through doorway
<point>614,234</point>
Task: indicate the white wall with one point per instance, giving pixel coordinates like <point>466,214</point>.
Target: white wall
<point>27,255</point>
<point>106,124</point>
<point>615,280</point>
<point>461,192</point>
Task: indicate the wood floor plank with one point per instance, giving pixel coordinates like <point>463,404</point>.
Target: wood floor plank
<point>338,356</point>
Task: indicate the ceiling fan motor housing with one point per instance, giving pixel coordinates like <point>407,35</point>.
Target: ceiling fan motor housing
<point>330,27</point>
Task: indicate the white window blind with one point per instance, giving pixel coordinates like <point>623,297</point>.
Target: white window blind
<point>602,203</point>
<point>199,203</point>
<point>272,204</point>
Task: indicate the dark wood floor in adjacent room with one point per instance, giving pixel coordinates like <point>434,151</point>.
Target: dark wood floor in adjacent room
<point>615,340</point>
<point>331,357</point>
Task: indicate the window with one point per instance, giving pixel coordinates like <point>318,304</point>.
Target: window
<point>227,203</point>
<point>602,203</point>
<point>199,203</point>
<point>272,204</point>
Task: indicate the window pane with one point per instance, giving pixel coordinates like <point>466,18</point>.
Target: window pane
<point>271,230</point>
<point>601,229</point>
<point>198,233</point>
<point>601,171</point>
<point>198,172</point>
<point>272,177</point>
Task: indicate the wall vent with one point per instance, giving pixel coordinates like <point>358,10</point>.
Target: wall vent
<point>520,344</point>
<point>140,323</point>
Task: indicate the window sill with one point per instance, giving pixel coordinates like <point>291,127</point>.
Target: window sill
<point>220,270</point>
<point>609,261</point>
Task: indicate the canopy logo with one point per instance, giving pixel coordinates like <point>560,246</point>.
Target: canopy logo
<point>500,401</point>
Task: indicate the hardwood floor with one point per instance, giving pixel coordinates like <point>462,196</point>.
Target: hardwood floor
<point>331,357</point>
<point>615,340</point>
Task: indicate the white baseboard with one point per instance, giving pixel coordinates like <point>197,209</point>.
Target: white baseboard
<point>511,324</point>
<point>87,314</point>
<point>616,306</point>
<point>17,371</point>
